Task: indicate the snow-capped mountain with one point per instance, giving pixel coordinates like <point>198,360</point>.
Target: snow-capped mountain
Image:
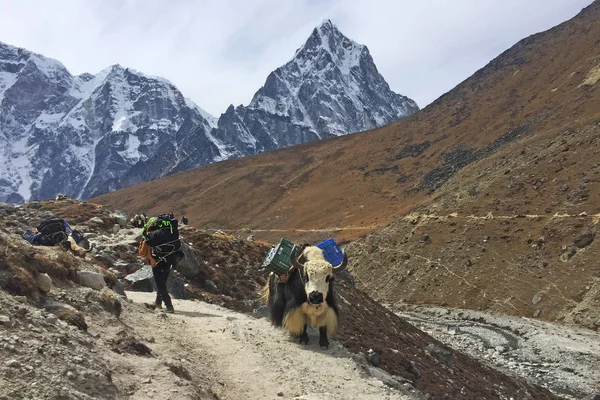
<point>331,87</point>
<point>85,135</point>
<point>90,134</point>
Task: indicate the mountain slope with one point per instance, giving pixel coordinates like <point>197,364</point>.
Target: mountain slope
<point>534,90</point>
<point>330,88</point>
<point>80,134</point>
<point>482,196</point>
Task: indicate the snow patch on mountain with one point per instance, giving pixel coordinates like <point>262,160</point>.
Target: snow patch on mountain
<point>7,79</point>
<point>331,87</point>
<point>88,134</point>
<point>212,121</point>
<point>77,134</point>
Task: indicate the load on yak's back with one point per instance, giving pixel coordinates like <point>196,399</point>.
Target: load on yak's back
<point>299,290</point>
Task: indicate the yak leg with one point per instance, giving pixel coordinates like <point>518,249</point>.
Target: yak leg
<point>294,321</point>
<point>323,341</point>
<point>303,337</point>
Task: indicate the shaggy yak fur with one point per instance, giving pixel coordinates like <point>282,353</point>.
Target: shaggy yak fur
<point>305,298</point>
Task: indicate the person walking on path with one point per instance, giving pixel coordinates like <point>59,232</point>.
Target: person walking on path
<point>162,247</point>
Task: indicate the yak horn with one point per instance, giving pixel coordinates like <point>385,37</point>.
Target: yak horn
<point>343,264</point>
<point>296,263</point>
<point>296,260</point>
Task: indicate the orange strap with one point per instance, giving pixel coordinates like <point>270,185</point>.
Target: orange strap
<point>145,251</point>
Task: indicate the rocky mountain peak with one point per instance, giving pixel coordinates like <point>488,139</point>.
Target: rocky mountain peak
<point>327,45</point>
<point>331,87</point>
<point>90,134</point>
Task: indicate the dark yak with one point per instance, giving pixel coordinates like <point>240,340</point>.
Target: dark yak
<point>305,296</point>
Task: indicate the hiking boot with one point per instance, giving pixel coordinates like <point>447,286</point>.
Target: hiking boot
<point>158,305</point>
<point>170,310</point>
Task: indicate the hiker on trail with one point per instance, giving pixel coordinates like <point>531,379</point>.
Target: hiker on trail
<point>184,220</point>
<point>162,247</point>
<point>53,231</point>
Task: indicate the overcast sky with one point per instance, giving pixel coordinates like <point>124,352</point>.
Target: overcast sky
<point>219,52</point>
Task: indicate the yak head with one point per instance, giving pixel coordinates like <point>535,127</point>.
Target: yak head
<point>316,273</point>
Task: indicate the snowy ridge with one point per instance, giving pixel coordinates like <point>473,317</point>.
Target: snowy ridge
<point>88,134</point>
<point>331,87</point>
<point>79,134</point>
<point>212,121</point>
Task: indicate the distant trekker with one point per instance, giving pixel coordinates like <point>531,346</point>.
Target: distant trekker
<point>184,220</point>
<point>162,247</point>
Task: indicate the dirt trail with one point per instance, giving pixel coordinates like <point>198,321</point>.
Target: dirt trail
<point>241,357</point>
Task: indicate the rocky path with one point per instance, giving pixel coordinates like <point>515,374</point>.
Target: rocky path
<point>241,357</point>
<point>562,358</point>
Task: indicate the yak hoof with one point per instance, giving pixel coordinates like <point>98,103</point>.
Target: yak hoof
<point>303,338</point>
<point>324,343</point>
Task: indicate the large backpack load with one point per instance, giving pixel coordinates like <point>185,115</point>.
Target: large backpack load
<point>161,234</point>
<point>53,231</point>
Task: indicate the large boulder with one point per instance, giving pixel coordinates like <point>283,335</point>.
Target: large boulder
<point>97,221</point>
<point>121,218</point>
<point>91,279</point>
<point>44,283</point>
<point>188,266</point>
<point>584,240</point>
<point>143,281</point>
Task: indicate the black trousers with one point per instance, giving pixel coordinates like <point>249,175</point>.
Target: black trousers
<point>161,274</point>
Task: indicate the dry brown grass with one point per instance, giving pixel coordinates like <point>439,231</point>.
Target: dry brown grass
<point>110,303</point>
<point>593,76</point>
<point>65,266</point>
<point>18,281</point>
<point>72,317</point>
<point>110,278</point>
<point>76,212</point>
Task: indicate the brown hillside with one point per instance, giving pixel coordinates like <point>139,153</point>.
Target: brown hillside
<point>541,87</point>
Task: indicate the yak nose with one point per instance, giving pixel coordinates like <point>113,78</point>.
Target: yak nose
<point>315,297</point>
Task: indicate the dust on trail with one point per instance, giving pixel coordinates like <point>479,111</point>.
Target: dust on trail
<point>241,357</point>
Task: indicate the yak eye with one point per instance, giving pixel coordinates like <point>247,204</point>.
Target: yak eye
<point>327,279</point>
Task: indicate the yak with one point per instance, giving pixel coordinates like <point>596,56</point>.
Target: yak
<point>304,295</point>
<point>138,221</point>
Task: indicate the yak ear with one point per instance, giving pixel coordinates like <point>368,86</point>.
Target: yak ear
<point>343,264</point>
